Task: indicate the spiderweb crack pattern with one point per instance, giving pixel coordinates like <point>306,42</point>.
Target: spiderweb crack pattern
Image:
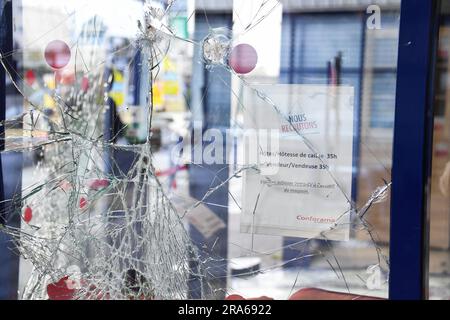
<point>126,239</point>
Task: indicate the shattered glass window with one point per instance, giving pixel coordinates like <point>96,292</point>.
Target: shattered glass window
<point>194,149</point>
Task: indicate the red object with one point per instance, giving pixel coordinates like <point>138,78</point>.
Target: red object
<point>239,297</point>
<point>98,184</point>
<point>235,297</point>
<point>85,84</point>
<point>319,294</point>
<point>311,294</point>
<point>27,214</point>
<point>30,77</point>
<point>83,202</point>
<point>64,77</point>
<point>57,54</point>
<point>243,58</point>
<point>59,290</point>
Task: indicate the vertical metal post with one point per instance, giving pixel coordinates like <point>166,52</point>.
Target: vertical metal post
<point>412,150</point>
<point>10,182</point>
<point>357,113</point>
<point>5,46</point>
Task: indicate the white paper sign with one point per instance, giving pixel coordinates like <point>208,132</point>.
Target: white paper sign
<point>307,193</point>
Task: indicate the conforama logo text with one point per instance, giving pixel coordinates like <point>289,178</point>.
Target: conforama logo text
<point>315,219</point>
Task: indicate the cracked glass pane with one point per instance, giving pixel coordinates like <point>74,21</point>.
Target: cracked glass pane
<point>199,149</point>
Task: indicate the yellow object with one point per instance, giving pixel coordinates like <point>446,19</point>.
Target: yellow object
<point>171,87</point>
<point>168,65</point>
<point>48,101</point>
<point>158,98</point>
<point>117,93</point>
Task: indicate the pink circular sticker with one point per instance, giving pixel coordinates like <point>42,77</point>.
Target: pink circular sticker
<point>57,54</point>
<point>243,58</point>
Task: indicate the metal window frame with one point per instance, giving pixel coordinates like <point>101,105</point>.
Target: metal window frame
<point>412,150</point>
<point>9,265</point>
